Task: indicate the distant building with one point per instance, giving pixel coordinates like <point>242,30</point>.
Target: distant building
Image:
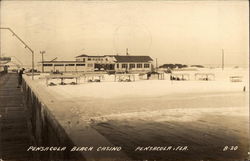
<point>4,64</point>
<point>133,63</point>
<point>63,66</point>
<point>115,63</point>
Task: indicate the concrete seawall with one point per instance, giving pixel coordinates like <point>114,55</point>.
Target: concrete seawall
<point>56,123</point>
<point>45,129</point>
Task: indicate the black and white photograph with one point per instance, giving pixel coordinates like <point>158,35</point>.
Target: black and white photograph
<point>107,80</point>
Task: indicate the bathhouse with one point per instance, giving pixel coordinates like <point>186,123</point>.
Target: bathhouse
<point>90,63</point>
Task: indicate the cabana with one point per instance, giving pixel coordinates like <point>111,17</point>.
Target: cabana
<point>204,76</point>
<point>125,77</point>
<point>155,75</point>
<point>180,76</point>
<point>235,78</point>
<point>62,78</point>
<point>93,77</point>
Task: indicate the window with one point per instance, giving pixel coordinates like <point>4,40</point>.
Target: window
<point>146,65</point>
<point>89,58</point>
<point>80,64</point>
<point>58,64</point>
<point>90,65</point>
<point>70,64</point>
<point>139,65</point>
<point>131,66</point>
<point>83,59</point>
<point>124,65</point>
<point>117,65</point>
<point>47,65</point>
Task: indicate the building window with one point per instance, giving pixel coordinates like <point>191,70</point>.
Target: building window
<point>89,58</point>
<point>80,64</point>
<point>58,64</point>
<point>131,66</point>
<point>70,64</point>
<point>146,65</point>
<point>139,65</point>
<point>124,65</point>
<point>90,65</point>
<point>117,65</point>
<point>83,59</point>
<point>48,65</point>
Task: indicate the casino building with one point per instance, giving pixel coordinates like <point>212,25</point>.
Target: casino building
<point>109,63</point>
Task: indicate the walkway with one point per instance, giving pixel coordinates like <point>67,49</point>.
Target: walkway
<point>14,133</point>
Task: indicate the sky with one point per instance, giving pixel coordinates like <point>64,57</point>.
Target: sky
<point>187,32</point>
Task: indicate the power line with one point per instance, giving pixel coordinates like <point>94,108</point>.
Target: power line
<point>25,45</point>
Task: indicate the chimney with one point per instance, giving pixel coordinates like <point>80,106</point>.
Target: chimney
<point>127,51</point>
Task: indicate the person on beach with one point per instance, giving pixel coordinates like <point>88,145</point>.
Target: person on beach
<point>20,73</point>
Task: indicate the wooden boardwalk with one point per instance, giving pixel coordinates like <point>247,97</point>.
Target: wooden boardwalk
<point>14,133</point>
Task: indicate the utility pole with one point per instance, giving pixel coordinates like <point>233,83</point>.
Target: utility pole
<point>156,64</point>
<point>222,63</point>
<point>42,52</point>
<point>25,45</point>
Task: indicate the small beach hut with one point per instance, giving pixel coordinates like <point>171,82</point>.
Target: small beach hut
<point>179,76</point>
<point>235,78</point>
<point>155,75</point>
<point>204,76</point>
<point>125,77</point>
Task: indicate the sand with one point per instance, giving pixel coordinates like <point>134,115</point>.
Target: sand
<point>109,89</point>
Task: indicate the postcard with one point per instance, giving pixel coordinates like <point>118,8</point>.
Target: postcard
<point>124,80</point>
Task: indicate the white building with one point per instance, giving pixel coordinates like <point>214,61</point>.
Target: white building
<point>112,63</point>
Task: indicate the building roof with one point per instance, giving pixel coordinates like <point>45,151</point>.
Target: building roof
<point>5,58</point>
<point>119,58</point>
<point>126,58</point>
<point>62,62</point>
<point>84,55</point>
<point>123,58</point>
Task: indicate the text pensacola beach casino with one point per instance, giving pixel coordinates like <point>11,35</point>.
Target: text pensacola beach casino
<point>105,148</point>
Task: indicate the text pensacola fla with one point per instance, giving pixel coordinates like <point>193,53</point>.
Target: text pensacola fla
<point>108,148</point>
